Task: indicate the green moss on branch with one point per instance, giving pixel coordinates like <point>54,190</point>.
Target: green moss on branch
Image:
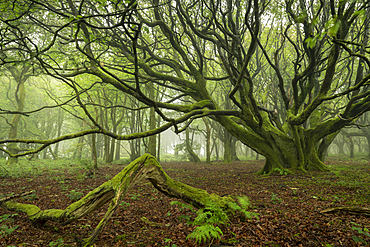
<point>145,167</point>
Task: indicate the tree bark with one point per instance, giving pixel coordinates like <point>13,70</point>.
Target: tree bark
<point>20,77</point>
<point>94,155</point>
<point>117,156</point>
<point>208,139</point>
<point>193,157</point>
<point>59,130</point>
<point>152,140</point>
<point>348,209</point>
<point>145,167</point>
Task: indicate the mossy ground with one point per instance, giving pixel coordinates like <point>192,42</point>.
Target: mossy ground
<point>288,205</point>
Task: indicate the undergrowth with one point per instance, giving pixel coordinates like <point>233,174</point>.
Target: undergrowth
<point>211,218</point>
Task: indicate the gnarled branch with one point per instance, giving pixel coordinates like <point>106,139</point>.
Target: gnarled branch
<point>145,167</point>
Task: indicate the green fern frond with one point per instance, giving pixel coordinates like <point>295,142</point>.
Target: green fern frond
<point>204,233</point>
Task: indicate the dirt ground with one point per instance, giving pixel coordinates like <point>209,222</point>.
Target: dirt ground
<point>288,206</point>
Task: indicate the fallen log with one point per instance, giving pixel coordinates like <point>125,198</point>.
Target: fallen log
<point>348,209</point>
<point>8,198</point>
<point>144,167</point>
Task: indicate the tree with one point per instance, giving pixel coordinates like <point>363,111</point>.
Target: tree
<point>304,51</point>
<point>20,74</point>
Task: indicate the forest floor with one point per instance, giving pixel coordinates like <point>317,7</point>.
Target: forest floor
<point>288,206</point>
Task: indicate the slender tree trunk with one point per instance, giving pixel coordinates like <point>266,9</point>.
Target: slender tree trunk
<point>159,147</point>
<point>324,145</point>
<point>20,95</point>
<point>112,149</point>
<point>216,149</point>
<point>78,151</point>
<point>368,146</point>
<point>152,140</point>
<point>117,156</point>
<point>229,147</point>
<point>59,131</point>
<point>193,157</point>
<point>208,139</point>
<point>106,148</point>
<point>340,145</point>
<point>351,147</point>
<point>94,155</point>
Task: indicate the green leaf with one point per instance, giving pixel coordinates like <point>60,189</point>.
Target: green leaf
<point>301,18</point>
<point>333,30</point>
<point>203,233</point>
<point>311,42</point>
<point>358,239</point>
<point>359,12</point>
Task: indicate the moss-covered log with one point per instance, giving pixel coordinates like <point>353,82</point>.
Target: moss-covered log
<point>144,167</point>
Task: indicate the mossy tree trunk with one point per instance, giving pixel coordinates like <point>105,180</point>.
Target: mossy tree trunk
<point>145,167</point>
<point>20,76</point>
<point>298,152</point>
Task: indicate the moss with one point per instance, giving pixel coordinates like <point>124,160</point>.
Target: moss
<point>29,209</point>
<point>54,214</point>
<point>146,167</point>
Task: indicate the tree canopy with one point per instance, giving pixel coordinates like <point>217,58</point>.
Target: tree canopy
<point>294,72</point>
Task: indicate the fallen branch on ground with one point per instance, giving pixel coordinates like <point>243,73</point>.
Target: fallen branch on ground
<point>8,198</point>
<point>145,167</point>
<point>348,209</point>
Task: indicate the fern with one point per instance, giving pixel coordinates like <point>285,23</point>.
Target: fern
<point>250,215</point>
<point>211,215</point>
<point>203,233</point>
<point>243,201</point>
<point>182,206</point>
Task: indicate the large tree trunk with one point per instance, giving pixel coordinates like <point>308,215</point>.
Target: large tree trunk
<point>145,167</point>
<point>296,153</point>
<point>286,154</point>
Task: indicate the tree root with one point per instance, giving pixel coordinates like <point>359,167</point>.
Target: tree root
<point>144,167</point>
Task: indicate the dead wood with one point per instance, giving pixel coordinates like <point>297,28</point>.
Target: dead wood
<point>145,167</point>
<point>8,198</point>
<point>348,209</point>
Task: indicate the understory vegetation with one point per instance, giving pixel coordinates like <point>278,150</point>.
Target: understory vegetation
<point>285,208</point>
